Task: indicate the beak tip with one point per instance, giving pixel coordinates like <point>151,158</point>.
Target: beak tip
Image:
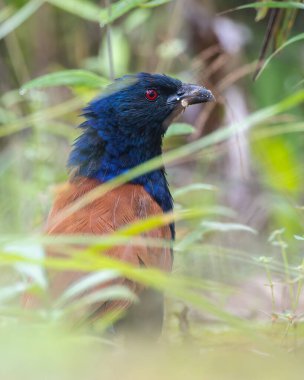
<point>209,97</point>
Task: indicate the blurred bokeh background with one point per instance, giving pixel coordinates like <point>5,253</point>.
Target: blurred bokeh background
<point>244,246</point>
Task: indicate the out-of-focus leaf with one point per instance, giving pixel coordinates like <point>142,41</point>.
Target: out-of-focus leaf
<point>263,259</point>
<point>115,292</point>
<point>19,17</point>
<point>155,3</point>
<point>41,116</point>
<point>10,292</point>
<point>136,18</point>
<point>297,237</point>
<point>268,4</point>
<point>292,40</point>
<point>31,271</point>
<point>274,130</point>
<point>188,240</point>
<point>300,83</point>
<point>193,187</point>
<point>67,78</point>
<point>172,49</point>
<point>285,27</point>
<point>120,50</point>
<point>86,283</point>
<point>261,12</point>
<point>274,235</point>
<point>278,163</point>
<point>226,227</point>
<point>6,116</point>
<point>117,10</point>
<point>177,129</point>
<point>6,12</point>
<point>81,8</point>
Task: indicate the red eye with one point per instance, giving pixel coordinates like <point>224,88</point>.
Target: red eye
<point>151,94</point>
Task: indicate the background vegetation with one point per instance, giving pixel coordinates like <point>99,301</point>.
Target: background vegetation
<point>235,299</point>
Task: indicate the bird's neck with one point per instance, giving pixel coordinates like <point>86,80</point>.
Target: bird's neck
<point>104,160</point>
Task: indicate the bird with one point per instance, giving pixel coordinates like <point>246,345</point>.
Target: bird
<point>123,128</point>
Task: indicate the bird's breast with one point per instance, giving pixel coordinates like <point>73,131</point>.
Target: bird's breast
<point>107,213</point>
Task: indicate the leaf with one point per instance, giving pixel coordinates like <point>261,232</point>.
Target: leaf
<point>117,10</point>
<point>6,12</point>
<point>136,18</point>
<point>193,187</point>
<point>86,283</point>
<point>33,251</point>
<point>263,259</point>
<point>274,235</point>
<point>261,12</point>
<point>10,292</point>
<point>155,3</point>
<point>278,164</point>
<point>19,17</point>
<point>115,292</point>
<point>67,78</point>
<point>267,4</point>
<point>298,237</point>
<point>177,129</point>
<point>81,8</point>
<point>226,227</point>
<point>292,40</point>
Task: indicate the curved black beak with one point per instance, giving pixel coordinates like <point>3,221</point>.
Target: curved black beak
<point>186,95</point>
<point>189,94</point>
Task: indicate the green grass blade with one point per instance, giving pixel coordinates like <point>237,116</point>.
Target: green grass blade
<point>6,12</point>
<point>155,3</point>
<point>84,9</point>
<point>267,4</point>
<point>291,41</point>
<point>193,187</point>
<point>225,227</point>
<point>41,116</point>
<point>177,129</point>
<point>67,78</point>
<point>115,292</point>
<point>19,17</point>
<point>85,284</point>
<point>118,9</point>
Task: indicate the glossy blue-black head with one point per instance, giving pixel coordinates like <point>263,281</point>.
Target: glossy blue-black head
<point>146,103</point>
<point>125,125</point>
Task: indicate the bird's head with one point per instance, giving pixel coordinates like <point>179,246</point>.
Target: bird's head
<point>144,103</point>
<point>127,122</point>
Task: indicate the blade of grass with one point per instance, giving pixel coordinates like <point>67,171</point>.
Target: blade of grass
<point>84,9</point>
<point>292,40</point>
<point>6,12</point>
<point>66,78</point>
<point>193,187</point>
<point>149,277</point>
<point>84,284</point>
<point>118,9</point>
<point>41,116</point>
<point>155,3</point>
<point>19,17</point>
<point>177,129</point>
<point>267,4</point>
